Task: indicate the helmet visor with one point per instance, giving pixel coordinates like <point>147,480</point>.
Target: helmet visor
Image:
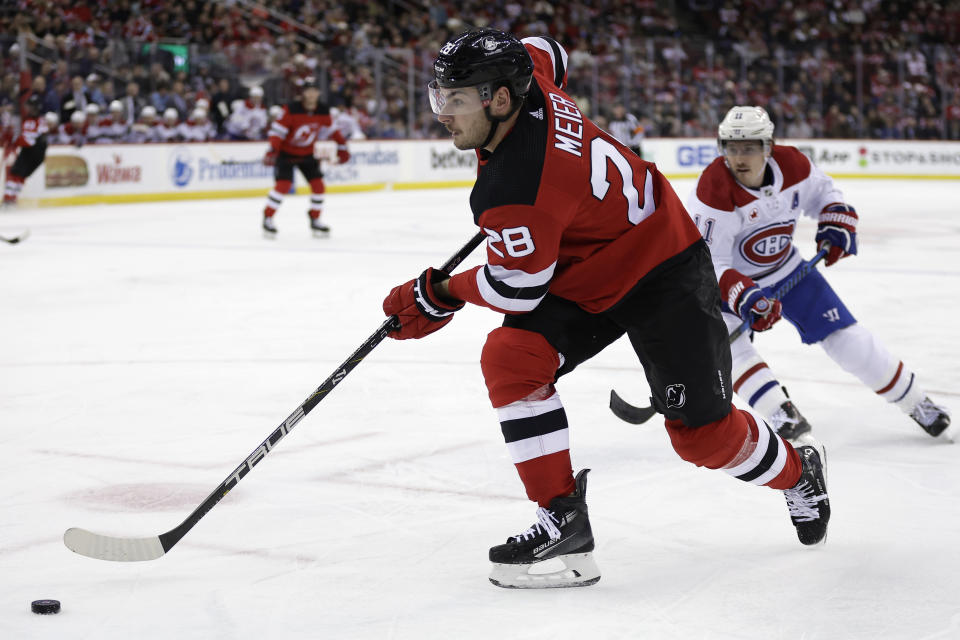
<point>748,148</point>
<point>454,101</point>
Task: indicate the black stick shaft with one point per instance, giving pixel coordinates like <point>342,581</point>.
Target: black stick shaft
<point>173,536</point>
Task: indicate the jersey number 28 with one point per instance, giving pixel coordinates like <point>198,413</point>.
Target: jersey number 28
<point>600,151</point>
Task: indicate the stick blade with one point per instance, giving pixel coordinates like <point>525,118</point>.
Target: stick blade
<point>627,412</point>
<point>94,545</point>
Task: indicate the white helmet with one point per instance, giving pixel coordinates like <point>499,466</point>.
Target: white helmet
<point>256,92</point>
<point>203,103</point>
<point>745,123</point>
<point>78,117</point>
<point>116,105</point>
<point>199,113</point>
<point>170,113</point>
<point>148,111</point>
<point>52,118</point>
<point>92,109</point>
<point>276,111</point>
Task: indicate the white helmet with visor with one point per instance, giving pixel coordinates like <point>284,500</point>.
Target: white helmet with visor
<point>745,123</point>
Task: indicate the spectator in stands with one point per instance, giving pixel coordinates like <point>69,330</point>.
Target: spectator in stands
<point>220,103</point>
<point>49,100</point>
<point>76,99</point>
<point>161,98</point>
<point>95,91</point>
<point>132,102</point>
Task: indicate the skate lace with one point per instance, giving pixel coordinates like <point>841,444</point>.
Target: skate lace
<point>546,521</point>
<point>780,418</point>
<point>926,412</point>
<point>802,503</point>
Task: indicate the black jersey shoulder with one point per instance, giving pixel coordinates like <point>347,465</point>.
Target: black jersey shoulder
<point>512,174</point>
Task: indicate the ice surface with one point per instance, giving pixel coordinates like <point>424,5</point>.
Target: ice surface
<point>145,350</point>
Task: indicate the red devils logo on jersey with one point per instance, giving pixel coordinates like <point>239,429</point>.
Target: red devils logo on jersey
<point>768,246</point>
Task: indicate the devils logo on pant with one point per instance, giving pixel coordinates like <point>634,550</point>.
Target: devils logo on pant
<point>676,397</point>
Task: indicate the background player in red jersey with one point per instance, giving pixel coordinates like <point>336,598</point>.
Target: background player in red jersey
<point>30,147</point>
<point>587,241</point>
<point>292,137</point>
<point>747,203</point>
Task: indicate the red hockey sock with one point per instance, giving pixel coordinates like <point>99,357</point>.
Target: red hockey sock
<point>547,477</point>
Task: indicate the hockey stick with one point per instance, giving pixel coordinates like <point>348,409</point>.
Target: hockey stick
<point>638,415</point>
<point>102,547</point>
<point>15,239</point>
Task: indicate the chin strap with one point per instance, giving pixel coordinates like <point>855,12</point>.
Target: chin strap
<point>496,120</point>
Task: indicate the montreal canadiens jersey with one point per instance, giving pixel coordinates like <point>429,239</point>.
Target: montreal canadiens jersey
<point>751,230</point>
<point>567,208</point>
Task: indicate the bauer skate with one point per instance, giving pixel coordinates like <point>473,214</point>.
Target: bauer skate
<point>555,552</point>
<point>933,418</point>
<point>807,501</point>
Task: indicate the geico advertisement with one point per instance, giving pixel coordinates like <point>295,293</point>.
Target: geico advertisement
<point>688,157</point>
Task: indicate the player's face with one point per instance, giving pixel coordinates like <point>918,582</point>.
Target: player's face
<point>460,110</point>
<point>311,95</point>
<point>746,160</point>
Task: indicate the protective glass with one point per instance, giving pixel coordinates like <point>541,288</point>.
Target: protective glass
<point>743,148</point>
<point>454,101</point>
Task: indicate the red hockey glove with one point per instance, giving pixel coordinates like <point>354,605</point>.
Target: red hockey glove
<point>745,298</point>
<point>838,226</point>
<point>343,156</point>
<point>270,158</point>
<point>418,308</point>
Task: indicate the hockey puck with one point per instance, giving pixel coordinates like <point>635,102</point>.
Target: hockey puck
<point>45,607</point>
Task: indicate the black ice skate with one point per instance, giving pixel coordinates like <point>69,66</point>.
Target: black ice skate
<point>807,501</point>
<point>269,228</point>
<point>933,418</point>
<point>789,423</point>
<point>319,229</point>
<point>555,552</point>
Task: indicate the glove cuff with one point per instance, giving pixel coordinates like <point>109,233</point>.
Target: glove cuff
<point>841,215</point>
<point>427,301</point>
<point>738,291</point>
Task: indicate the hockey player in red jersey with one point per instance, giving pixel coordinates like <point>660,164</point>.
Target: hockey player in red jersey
<point>586,242</point>
<point>747,203</point>
<point>292,139</point>
<point>31,149</point>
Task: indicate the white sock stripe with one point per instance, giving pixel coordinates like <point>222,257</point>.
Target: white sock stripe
<point>778,464</point>
<point>529,408</point>
<point>756,455</point>
<point>537,446</point>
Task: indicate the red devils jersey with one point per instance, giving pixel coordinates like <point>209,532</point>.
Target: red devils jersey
<point>296,131</point>
<point>30,131</point>
<point>566,208</point>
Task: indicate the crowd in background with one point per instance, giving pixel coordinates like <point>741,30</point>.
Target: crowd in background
<point>823,68</point>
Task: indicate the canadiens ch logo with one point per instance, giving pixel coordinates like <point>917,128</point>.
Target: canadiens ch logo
<point>769,245</point>
<point>676,396</point>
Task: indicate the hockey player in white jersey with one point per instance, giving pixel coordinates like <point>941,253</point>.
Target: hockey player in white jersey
<point>746,204</point>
